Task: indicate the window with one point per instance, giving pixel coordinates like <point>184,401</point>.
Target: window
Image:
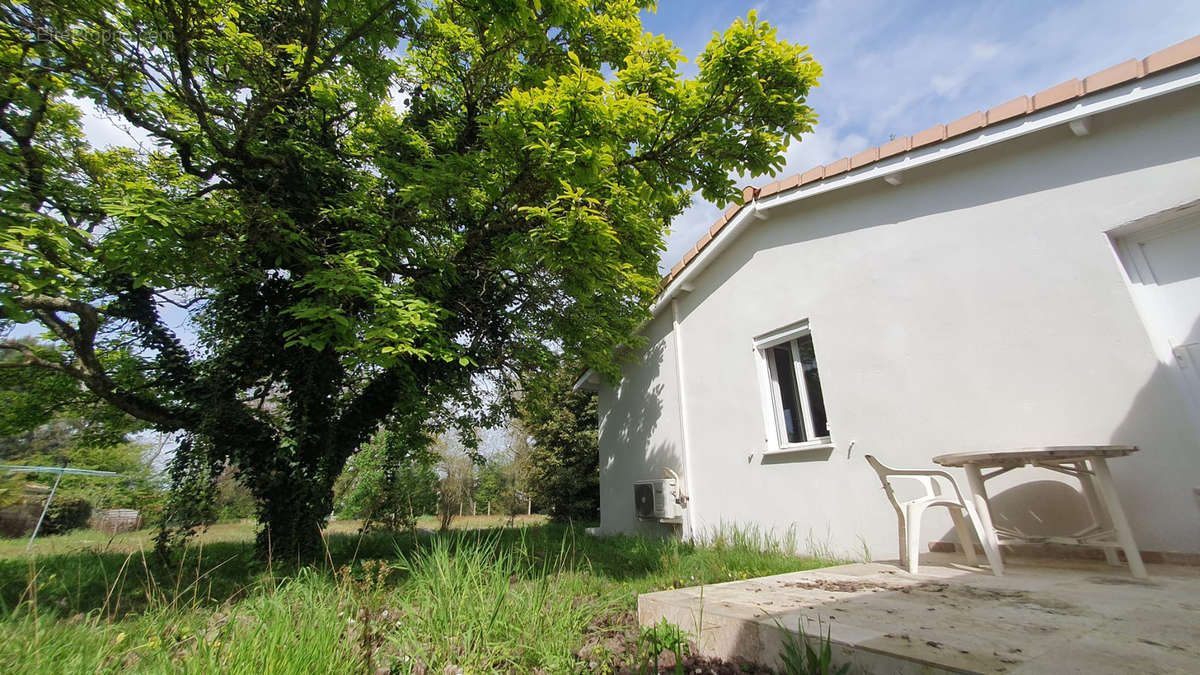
<point>793,383</point>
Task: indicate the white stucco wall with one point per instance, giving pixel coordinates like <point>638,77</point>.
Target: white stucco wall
<point>977,306</point>
<point>639,431</point>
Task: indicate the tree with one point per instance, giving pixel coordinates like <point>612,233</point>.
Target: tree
<point>49,419</point>
<point>457,479</point>
<point>389,483</point>
<point>564,463</point>
<point>499,484</point>
<point>341,258</point>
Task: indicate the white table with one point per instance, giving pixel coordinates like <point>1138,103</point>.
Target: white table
<point>1089,463</point>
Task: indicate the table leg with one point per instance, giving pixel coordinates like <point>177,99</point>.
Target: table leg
<point>1099,515</point>
<point>983,518</point>
<point>1112,504</point>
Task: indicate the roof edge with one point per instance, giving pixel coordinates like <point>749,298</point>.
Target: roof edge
<point>1022,115</point>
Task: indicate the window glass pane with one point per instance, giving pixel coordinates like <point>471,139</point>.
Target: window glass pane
<point>812,385</point>
<point>789,398</point>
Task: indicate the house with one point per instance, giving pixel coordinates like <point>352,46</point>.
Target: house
<point>1027,275</point>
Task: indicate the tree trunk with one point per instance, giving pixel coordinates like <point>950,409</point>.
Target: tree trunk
<point>291,526</point>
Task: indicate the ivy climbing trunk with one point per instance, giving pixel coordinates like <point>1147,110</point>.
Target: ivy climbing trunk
<point>291,517</point>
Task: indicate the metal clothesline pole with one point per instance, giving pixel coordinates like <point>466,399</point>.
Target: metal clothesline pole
<point>45,508</point>
<point>61,471</point>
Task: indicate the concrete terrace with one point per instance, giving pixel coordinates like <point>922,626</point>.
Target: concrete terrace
<point>1043,616</point>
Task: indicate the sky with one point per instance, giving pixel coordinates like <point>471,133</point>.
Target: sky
<point>902,66</point>
<point>896,67</point>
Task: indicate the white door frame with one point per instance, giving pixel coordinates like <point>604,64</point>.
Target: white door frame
<point>1139,278</point>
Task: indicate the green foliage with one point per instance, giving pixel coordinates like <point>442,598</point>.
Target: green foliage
<point>232,500</point>
<point>65,514</point>
<point>500,483</point>
<point>662,637</point>
<point>389,482</point>
<point>799,657</point>
<point>191,502</point>
<point>564,463</point>
<point>50,419</point>
<point>342,259</point>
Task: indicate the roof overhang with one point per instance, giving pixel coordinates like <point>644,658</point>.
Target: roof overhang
<point>590,380</point>
<point>1142,89</point>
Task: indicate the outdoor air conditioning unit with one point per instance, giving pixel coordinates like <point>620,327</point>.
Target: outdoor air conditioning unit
<point>655,499</point>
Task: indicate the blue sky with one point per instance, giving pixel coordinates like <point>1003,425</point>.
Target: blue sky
<point>901,66</point>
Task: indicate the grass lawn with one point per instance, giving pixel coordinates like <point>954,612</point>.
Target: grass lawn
<point>481,598</point>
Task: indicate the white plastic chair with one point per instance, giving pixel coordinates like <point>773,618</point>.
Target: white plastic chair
<point>909,513</point>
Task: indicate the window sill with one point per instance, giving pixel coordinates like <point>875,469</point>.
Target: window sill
<point>825,443</point>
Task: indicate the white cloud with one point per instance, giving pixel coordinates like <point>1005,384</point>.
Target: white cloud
<point>894,68</point>
<point>106,131</point>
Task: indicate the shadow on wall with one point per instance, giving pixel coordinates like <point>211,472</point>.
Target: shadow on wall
<point>633,416</point>
<point>1157,424</point>
<point>631,451</point>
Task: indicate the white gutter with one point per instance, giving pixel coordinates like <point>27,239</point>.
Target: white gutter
<point>687,488</point>
<point>1144,89</point>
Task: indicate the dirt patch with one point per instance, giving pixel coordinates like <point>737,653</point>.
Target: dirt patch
<point>840,586</point>
<point>1119,581</point>
<point>611,646</point>
<point>985,594</point>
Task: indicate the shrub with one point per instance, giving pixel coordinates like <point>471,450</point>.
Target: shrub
<point>564,464</point>
<point>66,514</point>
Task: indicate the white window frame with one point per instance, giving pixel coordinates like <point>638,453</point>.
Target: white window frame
<point>772,405</point>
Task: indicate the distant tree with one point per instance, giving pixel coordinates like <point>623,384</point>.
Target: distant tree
<point>500,485</point>
<point>490,483</point>
<point>49,419</point>
<point>231,499</point>
<point>564,465</point>
<point>456,469</point>
<point>364,207</point>
<point>390,481</point>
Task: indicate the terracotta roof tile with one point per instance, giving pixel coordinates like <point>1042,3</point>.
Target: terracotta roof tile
<point>964,124</point>
<point>1109,77</point>
<point>895,147</point>
<point>1066,91</point>
<point>692,253</point>
<point>1020,105</point>
<point>1183,52</point>
<point>933,134</point>
<point>840,166</point>
<point>813,174</point>
<point>716,227</point>
<point>1174,55</point>
<point>865,157</point>
<point>770,189</point>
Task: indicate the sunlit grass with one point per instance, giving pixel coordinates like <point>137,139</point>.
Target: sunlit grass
<point>503,599</point>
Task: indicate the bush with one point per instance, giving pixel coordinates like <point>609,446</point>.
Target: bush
<point>66,514</point>
<point>564,464</point>
<point>233,501</point>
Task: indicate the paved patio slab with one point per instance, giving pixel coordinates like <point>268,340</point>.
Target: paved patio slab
<point>1041,617</point>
